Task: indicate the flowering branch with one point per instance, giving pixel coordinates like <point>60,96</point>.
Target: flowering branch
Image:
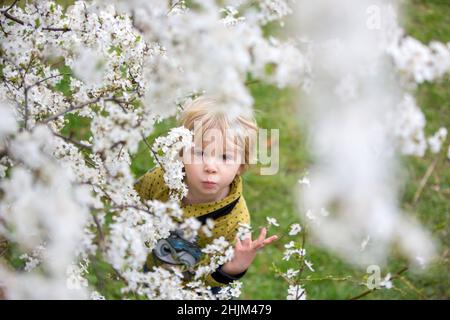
<point>374,289</point>
<point>75,142</point>
<point>155,155</point>
<point>9,16</point>
<point>72,108</point>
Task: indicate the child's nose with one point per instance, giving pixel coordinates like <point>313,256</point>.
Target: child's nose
<point>209,164</point>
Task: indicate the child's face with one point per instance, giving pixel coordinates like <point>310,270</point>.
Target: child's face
<point>212,165</point>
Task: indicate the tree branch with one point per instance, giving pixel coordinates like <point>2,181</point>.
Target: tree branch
<point>175,4</point>
<point>25,92</point>
<point>48,78</point>
<point>302,268</point>
<point>155,155</point>
<point>72,108</point>
<point>11,17</point>
<point>27,88</point>
<point>130,206</point>
<point>11,6</point>
<point>100,232</point>
<point>75,142</point>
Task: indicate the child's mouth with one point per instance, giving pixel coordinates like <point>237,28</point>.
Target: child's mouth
<point>209,184</point>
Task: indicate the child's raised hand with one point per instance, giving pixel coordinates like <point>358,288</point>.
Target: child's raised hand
<point>245,252</point>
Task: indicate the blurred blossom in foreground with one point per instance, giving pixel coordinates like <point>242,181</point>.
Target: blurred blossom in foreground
<point>355,176</point>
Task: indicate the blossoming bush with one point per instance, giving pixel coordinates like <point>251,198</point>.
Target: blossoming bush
<point>68,210</point>
<point>68,199</point>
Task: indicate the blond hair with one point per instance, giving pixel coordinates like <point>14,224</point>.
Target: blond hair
<point>213,115</point>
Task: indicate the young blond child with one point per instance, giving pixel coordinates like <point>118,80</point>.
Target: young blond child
<point>213,169</point>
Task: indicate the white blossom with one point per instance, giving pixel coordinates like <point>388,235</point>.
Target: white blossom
<point>295,229</point>
<point>219,252</point>
<point>190,228</point>
<point>208,228</point>
<point>272,221</point>
<point>75,276</point>
<point>309,265</point>
<point>244,231</point>
<point>386,282</point>
<point>296,292</point>
<point>96,296</point>
<point>310,215</point>
<point>365,242</point>
<point>34,259</point>
<point>8,122</point>
<point>291,273</point>
<point>291,250</point>
<point>408,123</point>
<point>176,140</point>
<point>290,245</point>
<point>304,181</point>
<point>435,141</point>
<point>230,291</point>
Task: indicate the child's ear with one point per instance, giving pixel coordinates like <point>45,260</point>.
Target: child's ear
<point>240,170</point>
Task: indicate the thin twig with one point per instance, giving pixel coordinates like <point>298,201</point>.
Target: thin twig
<point>57,29</point>
<point>48,78</point>
<point>75,142</point>
<point>155,155</point>
<point>4,244</point>
<point>330,278</point>
<point>412,287</point>
<point>72,108</point>
<point>10,7</point>
<point>120,151</point>
<point>100,232</point>
<point>3,30</point>
<point>11,17</point>
<point>302,268</point>
<point>115,144</point>
<point>173,6</point>
<point>25,91</point>
<point>129,206</point>
<point>88,161</point>
<point>288,280</point>
<point>431,168</point>
<point>424,180</point>
<point>119,275</point>
<point>7,15</point>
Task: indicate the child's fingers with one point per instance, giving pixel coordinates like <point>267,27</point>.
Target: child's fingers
<point>243,243</point>
<point>247,241</point>
<point>262,236</point>
<point>238,243</point>
<point>270,240</point>
<point>259,244</point>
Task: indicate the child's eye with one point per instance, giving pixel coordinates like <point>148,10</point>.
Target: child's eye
<point>198,153</point>
<point>226,157</point>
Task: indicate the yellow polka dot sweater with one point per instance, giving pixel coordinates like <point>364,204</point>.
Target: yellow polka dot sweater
<point>226,213</point>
